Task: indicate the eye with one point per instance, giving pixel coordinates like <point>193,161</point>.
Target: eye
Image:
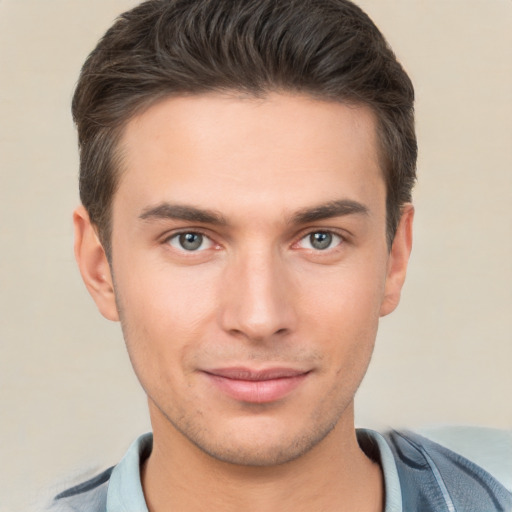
<point>320,240</point>
<point>190,242</point>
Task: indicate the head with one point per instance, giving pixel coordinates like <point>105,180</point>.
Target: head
<point>329,50</point>
<point>246,170</point>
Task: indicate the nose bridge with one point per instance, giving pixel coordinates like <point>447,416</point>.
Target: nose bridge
<point>258,302</point>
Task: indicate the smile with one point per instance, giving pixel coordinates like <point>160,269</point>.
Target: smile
<point>258,387</point>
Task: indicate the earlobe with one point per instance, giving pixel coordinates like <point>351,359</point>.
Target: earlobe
<point>398,260</point>
<point>93,264</point>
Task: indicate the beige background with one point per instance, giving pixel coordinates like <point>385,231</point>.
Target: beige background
<point>68,399</point>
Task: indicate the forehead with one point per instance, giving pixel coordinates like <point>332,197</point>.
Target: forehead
<point>282,149</point>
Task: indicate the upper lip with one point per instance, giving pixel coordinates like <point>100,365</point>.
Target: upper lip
<point>241,373</point>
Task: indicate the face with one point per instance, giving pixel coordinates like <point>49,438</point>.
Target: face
<point>250,268</point>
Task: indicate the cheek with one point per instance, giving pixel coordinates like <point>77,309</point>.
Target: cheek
<point>162,299</point>
<point>163,317</point>
<point>344,314</point>
<point>344,298</point>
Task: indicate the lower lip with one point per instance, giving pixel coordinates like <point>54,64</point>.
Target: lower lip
<point>257,391</point>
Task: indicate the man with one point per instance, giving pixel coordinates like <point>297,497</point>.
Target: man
<point>246,174</point>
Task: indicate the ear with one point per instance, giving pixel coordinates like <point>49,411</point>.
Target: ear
<point>397,261</point>
<point>93,264</point>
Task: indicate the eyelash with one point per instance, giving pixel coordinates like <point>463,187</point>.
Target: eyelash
<point>341,239</point>
<point>333,236</point>
<point>176,236</point>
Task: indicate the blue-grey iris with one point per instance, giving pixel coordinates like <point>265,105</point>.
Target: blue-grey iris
<point>320,240</point>
<point>191,241</point>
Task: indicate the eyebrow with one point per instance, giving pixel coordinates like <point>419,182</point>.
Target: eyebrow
<point>328,210</point>
<point>182,212</point>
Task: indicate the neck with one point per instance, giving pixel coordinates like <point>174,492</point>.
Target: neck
<point>333,476</point>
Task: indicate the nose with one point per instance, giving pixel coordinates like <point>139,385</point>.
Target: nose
<point>258,298</point>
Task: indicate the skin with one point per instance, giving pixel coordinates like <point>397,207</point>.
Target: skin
<point>257,293</point>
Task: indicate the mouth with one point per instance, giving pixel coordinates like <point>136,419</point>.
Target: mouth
<point>257,386</point>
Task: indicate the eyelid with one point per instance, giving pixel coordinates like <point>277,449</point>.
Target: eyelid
<point>342,235</point>
<point>182,231</point>
<point>310,231</point>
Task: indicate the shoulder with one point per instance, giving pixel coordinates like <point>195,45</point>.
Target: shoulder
<point>489,448</point>
<point>119,486</point>
<point>87,496</point>
<point>433,475</point>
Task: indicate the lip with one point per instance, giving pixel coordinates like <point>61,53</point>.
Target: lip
<point>256,386</point>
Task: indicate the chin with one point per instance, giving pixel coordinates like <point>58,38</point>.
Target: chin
<point>260,447</point>
<point>257,455</point>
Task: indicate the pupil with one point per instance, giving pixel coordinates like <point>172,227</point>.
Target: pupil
<point>320,240</point>
<point>191,241</point>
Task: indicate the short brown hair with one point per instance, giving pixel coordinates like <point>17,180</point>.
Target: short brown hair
<point>329,49</point>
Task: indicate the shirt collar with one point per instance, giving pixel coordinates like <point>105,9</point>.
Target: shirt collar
<point>373,443</point>
<point>125,488</point>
